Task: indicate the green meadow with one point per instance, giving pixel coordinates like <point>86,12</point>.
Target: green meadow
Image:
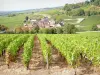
<point>16,21</point>
<point>90,21</point>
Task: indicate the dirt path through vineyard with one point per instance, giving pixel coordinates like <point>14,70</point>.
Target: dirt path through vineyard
<point>37,57</point>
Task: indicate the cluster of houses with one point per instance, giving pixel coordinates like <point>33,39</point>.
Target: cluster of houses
<point>42,23</point>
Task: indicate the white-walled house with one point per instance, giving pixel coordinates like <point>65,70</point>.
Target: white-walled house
<point>58,25</point>
<point>42,23</point>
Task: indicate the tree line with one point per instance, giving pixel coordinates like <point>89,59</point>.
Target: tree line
<point>76,10</point>
<point>66,29</point>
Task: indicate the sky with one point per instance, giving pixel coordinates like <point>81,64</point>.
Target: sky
<point>15,5</point>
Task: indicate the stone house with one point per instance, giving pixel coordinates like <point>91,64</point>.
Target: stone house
<point>42,23</point>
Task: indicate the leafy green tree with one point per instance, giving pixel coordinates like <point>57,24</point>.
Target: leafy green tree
<point>32,12</point>
<point>48,31</point>
<point>43,31</point>
<point>78,12</point>
<point>92,0</point>
<point>36,29</point>
<point>26,18</point>
<point>59,30</point>
<point>87,2</point>
<point>58,19</point>
<point>93,13</point>
<point>87,13</point>
<point>69,29</point>
<point>67,7</point>
<point>95,28</point>
<point>33,31</point>
<point>74,6</point>
<point>11,15</point>
<point>53,31</point>
<point>97,2</point>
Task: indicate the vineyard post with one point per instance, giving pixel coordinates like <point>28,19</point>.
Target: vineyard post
<point>47,61</point>
<point>7,58</point>
<point>48,56</point>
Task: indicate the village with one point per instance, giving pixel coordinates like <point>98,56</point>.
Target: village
<point>44,22</point>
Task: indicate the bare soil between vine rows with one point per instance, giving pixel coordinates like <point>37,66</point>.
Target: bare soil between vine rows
<point>38,67</point>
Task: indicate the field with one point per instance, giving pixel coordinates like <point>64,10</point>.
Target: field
<point>87,23</point>
<point>90,21</point>
<point>50,12</point>
<point>89,7</point>
<point>19,52</point>
<point>17,20</point>
<point>12,21</point>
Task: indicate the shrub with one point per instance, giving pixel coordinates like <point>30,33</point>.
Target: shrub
<point>69,29</point>
<point>95,28</point>
<point>53,31</point>
<point>78,12</point>
<point>43,30</point>
<point>3,28</point>
<point>48,30</point>
<point>11,15</point>
<point>36,29</point>
<point>59,30</point>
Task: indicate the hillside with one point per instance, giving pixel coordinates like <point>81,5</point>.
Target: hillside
<point>90,13</point>
<point>3,13</point>
<point>17,20</point>
<point>19,17</point>
<point>12,21</point>
<point>51,11</point>
<point>90,21</point>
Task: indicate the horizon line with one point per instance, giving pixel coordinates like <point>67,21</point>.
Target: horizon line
<point>29,9</point>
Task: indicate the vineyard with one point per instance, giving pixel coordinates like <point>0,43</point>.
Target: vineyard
<point>75,49</point>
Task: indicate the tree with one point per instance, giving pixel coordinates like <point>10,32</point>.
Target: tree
<point>92,0</point>
<point>67,7</point>
<point>11,15</point>
<point>69,29</point>
<point>51,30</point>
<point>97,2</point>
<point>32,12</point>
<point>59,30</point>
<point>26,18</point>
<point>36,29</point>
<point>33,31</point>
<point>78,12</point>
<point>58,19</point>
<point>48,30</point>
<point>87,13</point>
<point>43,31</point>
<point>95,28</point>
<point>93,13</point>
<point>87,2</point>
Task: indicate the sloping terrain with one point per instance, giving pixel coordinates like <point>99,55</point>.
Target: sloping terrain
<point>90,21</point>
